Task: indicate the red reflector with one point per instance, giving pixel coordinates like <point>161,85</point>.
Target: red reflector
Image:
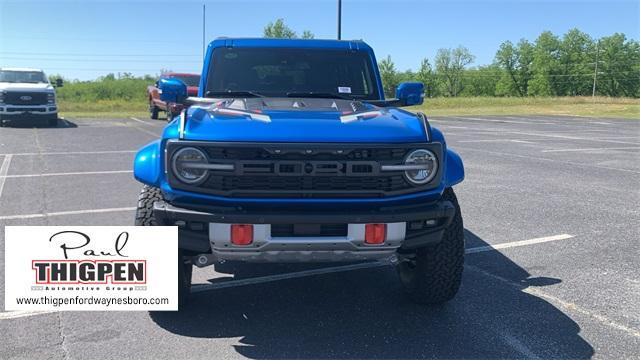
<point>241,234</point>
<point>375,233</point>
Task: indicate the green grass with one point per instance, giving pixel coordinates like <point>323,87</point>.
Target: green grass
<point>103,109</point>
<point>577,106</point>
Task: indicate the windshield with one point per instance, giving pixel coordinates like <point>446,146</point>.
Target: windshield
<point>188,80</point>
<point>279,72</point>
<point>22,76</point>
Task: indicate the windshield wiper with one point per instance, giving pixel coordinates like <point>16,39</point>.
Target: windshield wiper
<point>230,93</point>
<point>321,95</point>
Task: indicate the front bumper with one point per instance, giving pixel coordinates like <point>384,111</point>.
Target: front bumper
<point>206,231</point>
<point>27,111</point>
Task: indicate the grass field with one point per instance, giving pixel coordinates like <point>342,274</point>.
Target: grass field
<point>580,106</point>
<point>103,109</point>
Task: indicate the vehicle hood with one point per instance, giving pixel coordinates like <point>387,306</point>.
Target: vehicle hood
<point>26,87</point>
<point>300,120</point>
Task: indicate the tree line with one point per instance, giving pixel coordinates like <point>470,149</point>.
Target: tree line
<point>549,66</point>
<point>572,65</point>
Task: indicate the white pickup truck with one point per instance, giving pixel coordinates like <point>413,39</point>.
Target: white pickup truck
<point>27,94</point>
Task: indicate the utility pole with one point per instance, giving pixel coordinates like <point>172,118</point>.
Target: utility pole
<point>203,28</point>
<point>339,19</point>
<point>595,72</point>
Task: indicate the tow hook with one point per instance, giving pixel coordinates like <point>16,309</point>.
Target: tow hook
<point>203,260</point>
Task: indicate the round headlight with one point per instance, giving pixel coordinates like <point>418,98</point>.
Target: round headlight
<point>187,165</point>
<point>426,165</point>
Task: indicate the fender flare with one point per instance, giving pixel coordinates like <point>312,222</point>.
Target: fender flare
<point>454,171</point>
<point>147,164</point>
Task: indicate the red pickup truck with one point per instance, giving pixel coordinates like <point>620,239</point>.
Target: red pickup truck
<point>156,105</point>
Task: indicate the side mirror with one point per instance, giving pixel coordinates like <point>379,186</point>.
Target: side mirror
<point>172,90</point>
<point>410,93</point>
<point>59,82</point>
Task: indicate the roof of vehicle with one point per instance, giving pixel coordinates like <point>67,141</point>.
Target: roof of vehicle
<point>19,69</point>
<point>291,43</point>
<point>179,74</point>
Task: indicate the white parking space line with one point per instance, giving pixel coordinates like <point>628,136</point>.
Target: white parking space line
<point>74,153</point>
<point>67,174</point>
<point>4,169</point>
<point>146,131</point>
<point>504,121</point>
<point>496,140</point>
<point>22,313</point>
<point>518,243</point>
<point>566,305</point>
<point>483,141</point>
<point>293,275</point>
<point>516,344</point>
<point>62,213</point>
<point>138,120</point>
<point>546,159</point>
<point>591,149</point>
<point>567,137</point>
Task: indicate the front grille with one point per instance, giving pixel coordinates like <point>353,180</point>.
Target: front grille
<point>306,185</point>
<point>23,109</point>
<point>25,98</point>
<point>303,171</point>
<point>308,230</point>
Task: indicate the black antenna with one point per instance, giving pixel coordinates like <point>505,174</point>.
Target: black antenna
<point>339,19</point>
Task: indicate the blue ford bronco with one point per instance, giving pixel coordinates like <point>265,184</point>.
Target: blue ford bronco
<point>291,153</point>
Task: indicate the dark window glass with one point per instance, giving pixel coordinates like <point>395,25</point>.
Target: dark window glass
<point>22,76</point>
<point>189,80</point>
<point>278,71</point>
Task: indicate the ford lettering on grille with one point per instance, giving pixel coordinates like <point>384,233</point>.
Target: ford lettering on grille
<point>278,171</point>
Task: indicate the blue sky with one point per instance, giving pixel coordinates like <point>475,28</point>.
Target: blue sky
<point>87,39</point>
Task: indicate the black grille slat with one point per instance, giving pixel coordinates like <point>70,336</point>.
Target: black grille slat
<point>319,183</point>
<point>248,153</point>
<point>22,109</point>
<point>36,98</point>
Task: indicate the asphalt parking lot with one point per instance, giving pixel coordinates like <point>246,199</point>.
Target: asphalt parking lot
<point>551,212</point>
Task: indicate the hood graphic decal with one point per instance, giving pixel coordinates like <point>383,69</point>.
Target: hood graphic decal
<point>299,120</point>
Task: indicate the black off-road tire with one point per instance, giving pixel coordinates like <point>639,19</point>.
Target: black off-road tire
<point>144,217</point>
<point>153,111</point>
<point>434,274</point>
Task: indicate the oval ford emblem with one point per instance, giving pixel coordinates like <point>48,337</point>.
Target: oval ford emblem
<point>25,98</point>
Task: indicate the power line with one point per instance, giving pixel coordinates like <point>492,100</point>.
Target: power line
<point>115,70</point>
<point>87,54</point>
<point>551,75</point>
<point>95,40</point>
<point>101,60</point>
